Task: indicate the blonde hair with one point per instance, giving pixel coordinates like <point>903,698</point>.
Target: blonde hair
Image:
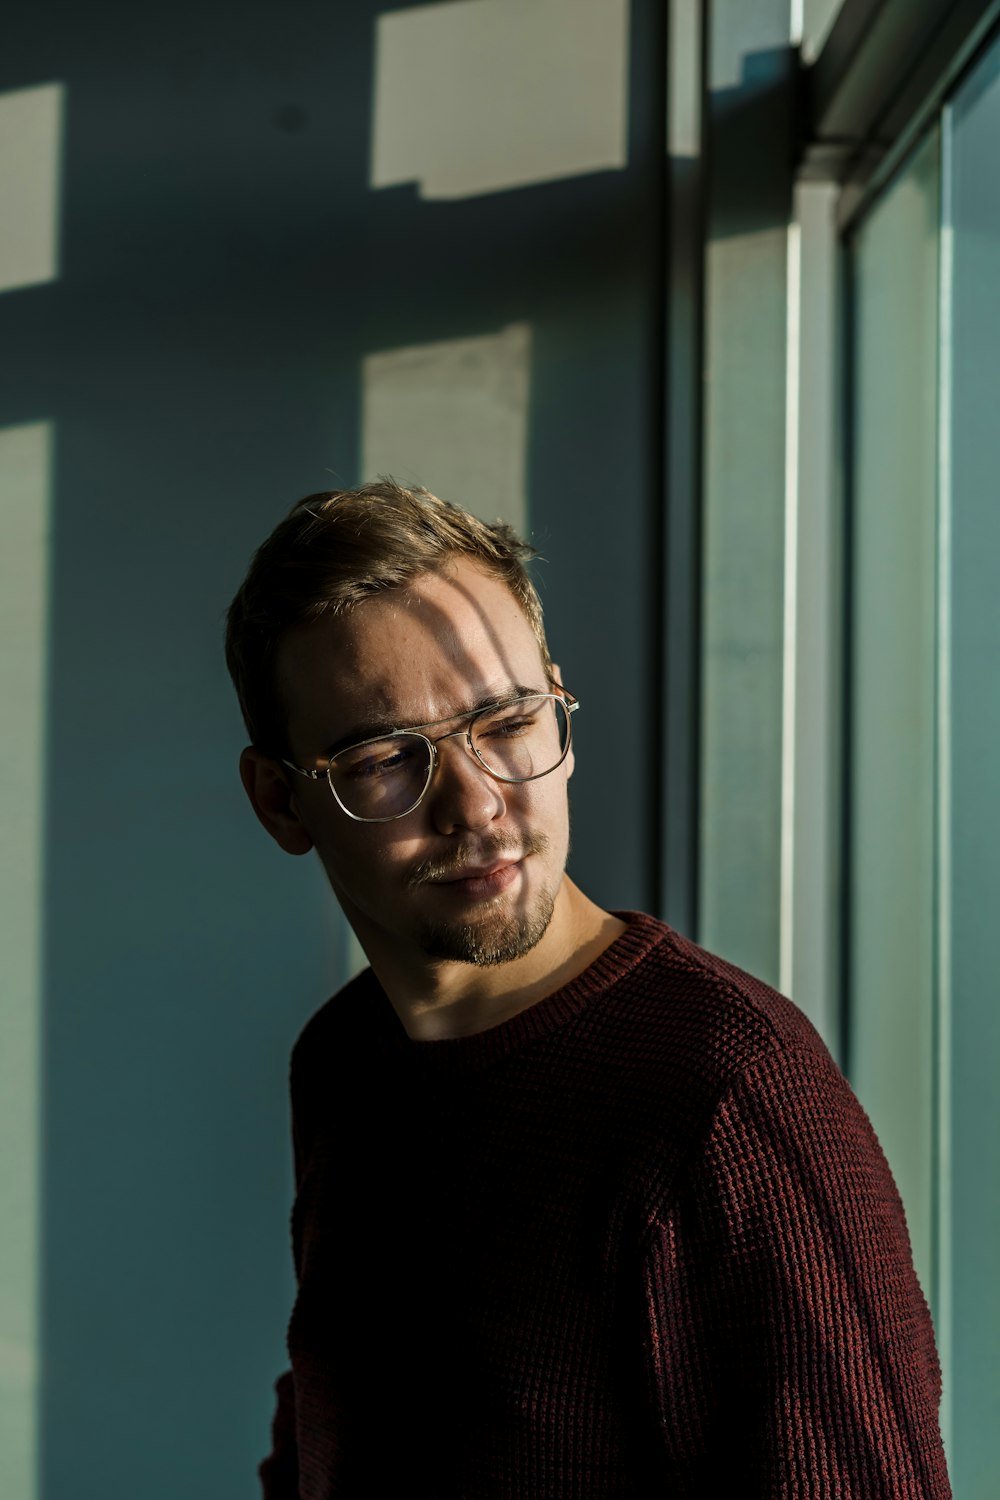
<point>336,549</point>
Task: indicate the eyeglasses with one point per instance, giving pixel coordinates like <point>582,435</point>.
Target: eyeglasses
<point>385,778</point>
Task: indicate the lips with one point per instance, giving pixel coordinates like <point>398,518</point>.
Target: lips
<point>479,884</point>
<point>495,860</point>
<point>480,872</point>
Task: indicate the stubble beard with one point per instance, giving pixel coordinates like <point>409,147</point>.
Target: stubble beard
<point>500,934</point>
<point>498,938</point>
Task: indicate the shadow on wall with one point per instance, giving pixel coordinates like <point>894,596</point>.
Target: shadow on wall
<point>752,144</point>
<point>212,308</point>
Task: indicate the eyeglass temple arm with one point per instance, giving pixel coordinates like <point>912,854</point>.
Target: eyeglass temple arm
<point>313,775</point>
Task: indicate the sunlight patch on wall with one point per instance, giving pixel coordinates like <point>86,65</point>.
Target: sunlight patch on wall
<point>474,96</point>
<point>25,470</point>
<point>817,19</point>
<point>30,169</point>
<point>453,416</point>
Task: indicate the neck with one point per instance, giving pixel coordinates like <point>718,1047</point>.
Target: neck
<point>437,1000</point>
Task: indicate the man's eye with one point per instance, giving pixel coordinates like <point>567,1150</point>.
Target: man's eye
<point>508,728</point>
<point>381,760</point>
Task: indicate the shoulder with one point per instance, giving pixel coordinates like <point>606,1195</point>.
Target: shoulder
<point>702,1016</point>
<point>753,1100</point>
<point>698,1049</point>
<point>357,1021</point>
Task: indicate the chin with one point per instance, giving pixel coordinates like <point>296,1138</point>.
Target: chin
<point>498,938</point>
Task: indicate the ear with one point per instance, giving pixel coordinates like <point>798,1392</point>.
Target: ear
<point>265,782</point>
<point>557,682</point>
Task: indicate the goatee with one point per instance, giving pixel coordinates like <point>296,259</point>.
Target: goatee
<point>498,935</point>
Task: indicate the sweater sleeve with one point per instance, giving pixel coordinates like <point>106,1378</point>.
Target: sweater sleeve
<point>790,1347</point>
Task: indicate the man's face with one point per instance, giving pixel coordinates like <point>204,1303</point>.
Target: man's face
<point>472,874</point>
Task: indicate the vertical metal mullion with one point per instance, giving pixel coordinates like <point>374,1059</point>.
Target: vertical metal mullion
<point>847,383</point>
<point>680,557</point>
<point>941,1148</point>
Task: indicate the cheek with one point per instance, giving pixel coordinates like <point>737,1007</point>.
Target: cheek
<point>547,805</point>
<point>360,854</point>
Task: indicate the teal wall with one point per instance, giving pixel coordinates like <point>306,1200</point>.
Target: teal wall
<point>188,325</point>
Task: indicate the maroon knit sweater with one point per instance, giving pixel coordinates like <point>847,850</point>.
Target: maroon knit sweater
<point>639,1240</point>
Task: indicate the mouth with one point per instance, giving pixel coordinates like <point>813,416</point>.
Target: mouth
<point>480,883</point>
<point>480,871</point>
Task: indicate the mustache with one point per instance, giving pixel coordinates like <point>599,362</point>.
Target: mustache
<point>474,856</point>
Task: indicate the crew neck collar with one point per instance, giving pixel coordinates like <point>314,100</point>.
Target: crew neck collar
<point>484,1048</point>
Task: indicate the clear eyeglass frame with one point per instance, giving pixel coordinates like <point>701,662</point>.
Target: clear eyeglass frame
<point>568,702</point>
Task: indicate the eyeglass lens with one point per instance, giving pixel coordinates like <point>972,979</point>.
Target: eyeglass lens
<point>517,741</point>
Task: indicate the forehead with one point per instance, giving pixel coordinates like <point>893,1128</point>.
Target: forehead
<point>426,651</point>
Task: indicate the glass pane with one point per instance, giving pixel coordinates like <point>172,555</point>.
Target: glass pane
<point>972,210</point>
<point>892,686</point>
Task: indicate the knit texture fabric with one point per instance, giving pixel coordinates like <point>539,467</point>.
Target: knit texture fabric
<point>638,1240</point>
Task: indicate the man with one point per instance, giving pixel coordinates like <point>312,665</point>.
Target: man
<point>581,1210</point>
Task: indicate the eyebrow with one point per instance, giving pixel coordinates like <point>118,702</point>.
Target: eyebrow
<point>373,729</point>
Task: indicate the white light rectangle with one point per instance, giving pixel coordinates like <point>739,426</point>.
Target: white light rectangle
<point>30,179</point>
<point>477,96</point>
<point>453,416</point>
<point>25,470</point>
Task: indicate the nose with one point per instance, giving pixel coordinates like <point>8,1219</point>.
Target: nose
<point>462,793</point>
